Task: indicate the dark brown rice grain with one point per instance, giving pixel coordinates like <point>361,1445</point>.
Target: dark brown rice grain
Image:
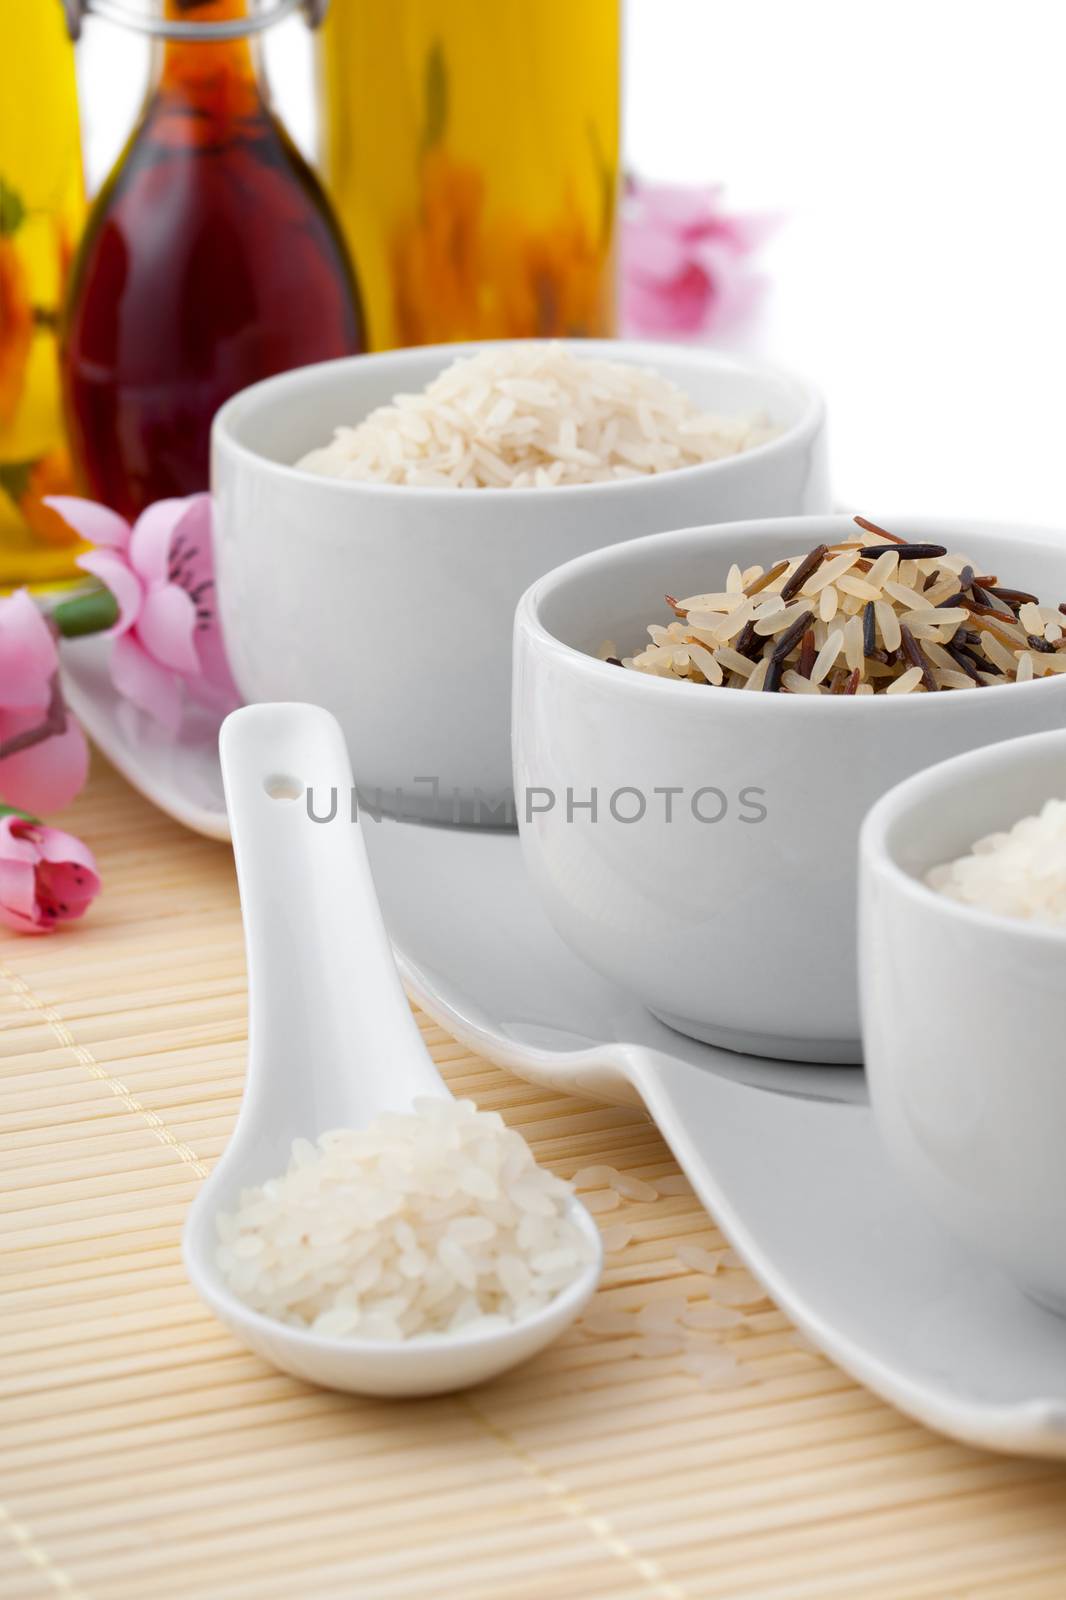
<point>806,569</point>
<point>759,584</point>
<point>883,533</point>
<point>869,629</point>
<point>791,636</point>
<point>907,552</point>
<point>917,657</point>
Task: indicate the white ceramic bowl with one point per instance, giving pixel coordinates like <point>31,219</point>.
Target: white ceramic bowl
<point>740,928</point>
<point>964,1014</point>
<point>392,606</point>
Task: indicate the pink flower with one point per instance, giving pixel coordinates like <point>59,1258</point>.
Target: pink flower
<point>43,755</point>
<point>686,268</point>
<point>46,877</point>
<point>161,573</point>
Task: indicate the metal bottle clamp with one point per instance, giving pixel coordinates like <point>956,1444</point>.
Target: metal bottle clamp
<point>164,28</point>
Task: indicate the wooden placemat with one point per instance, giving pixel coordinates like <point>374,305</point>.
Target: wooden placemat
<point>146,1455</point>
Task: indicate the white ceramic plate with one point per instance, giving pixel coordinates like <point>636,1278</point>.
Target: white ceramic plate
<point>785,1157</point>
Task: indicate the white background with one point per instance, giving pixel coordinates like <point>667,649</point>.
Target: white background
<point>916,153</point>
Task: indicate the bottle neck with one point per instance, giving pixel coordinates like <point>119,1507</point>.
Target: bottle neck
<point>221,76</point>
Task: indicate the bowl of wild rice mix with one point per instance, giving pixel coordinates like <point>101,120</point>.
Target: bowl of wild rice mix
<point>379,517</point>
<point>703,718</point>
<point>963,958</point>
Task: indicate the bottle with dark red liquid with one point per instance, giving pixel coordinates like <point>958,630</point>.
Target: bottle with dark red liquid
<point>210,259</point>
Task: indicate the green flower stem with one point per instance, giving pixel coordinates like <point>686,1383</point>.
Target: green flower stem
<point>92,612</point>
<point>13,811</point>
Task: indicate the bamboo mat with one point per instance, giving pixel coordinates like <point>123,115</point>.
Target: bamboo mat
<point>146,1455</point>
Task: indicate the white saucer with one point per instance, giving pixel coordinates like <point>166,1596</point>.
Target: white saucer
<point>182,777</point>
<point>786,1158</point>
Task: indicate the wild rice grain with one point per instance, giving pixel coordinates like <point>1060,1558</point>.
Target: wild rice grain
<point>810,563</point>
<point>869,629</point>
<point>830,572</point>
<point>907,552</point>
<point>881,533</point>
<point>913,651</point>
<point>791,636</point>
<point>998,652</point>
<point>827,655</point>
<point>906,683</point>
<point>853,650</point>
<point>899,606</point>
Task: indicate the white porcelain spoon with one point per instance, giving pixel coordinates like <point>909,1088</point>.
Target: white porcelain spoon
<point>332,1043</point>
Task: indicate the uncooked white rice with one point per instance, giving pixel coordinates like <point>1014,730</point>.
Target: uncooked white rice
<point>423,1224</point>
<point>1020,873</point>
<point>533,416</point>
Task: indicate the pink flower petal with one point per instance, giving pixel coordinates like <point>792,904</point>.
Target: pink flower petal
<point>717,256</point>
<point>685,267</point>
<point>192,568</point>
<point>674,206</point>
<point>47,776</point>
<point>192,548</point>
<point>55,846</point>
<point>149,686</point>
<point>16,842</point>
<point>151,537</point>
<point>654,254</point>
<point>18,902</point>
<point>115,574</point>
<point>69,889</point>
<point>682,306</point>
<point>28,656</point>
<point>46,876</point>
<point>92,521</point>
<point>166,626</point>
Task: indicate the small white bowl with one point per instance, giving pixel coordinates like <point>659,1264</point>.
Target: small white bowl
<point>735,927</point>
<point>964,1015</point>
<point>393,606</point>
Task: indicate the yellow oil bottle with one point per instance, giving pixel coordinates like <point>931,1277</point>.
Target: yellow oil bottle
<point>471,150</point>
<point>41,209</point>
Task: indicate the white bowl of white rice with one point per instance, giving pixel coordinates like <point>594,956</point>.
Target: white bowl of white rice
<point>377,524</point>
<point>963,959</point>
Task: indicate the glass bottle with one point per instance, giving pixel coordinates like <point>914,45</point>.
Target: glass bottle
<point>210,259</point>
<point>472,156</point>
<point>41,208</point>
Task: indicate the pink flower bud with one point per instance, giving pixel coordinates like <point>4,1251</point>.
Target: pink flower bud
<point>46,876</point>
